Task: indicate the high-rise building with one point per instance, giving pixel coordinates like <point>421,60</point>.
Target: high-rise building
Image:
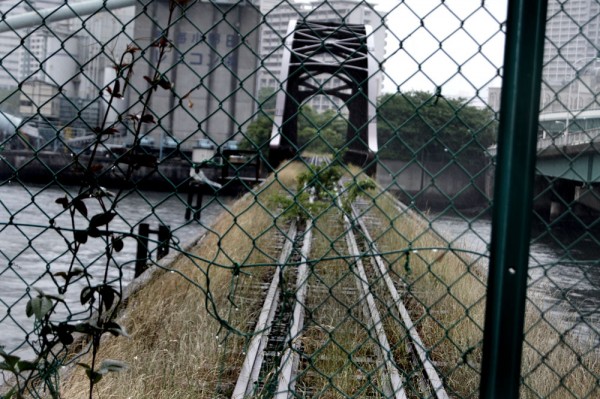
<point>273,32</point>
<point>571,55</point>
<point>9,47</point>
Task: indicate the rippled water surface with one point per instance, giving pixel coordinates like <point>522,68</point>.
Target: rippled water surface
<point>31,252</point>
<point>564,269</point>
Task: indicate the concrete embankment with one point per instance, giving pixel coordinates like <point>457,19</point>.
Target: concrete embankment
<point>45,167</point>
<point>434,184</point>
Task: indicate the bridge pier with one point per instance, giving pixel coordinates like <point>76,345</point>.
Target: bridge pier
<point>555,198</point>
<point>588,196</point>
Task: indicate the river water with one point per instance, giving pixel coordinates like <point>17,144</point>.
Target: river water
<point>564,273</point>
<point>30,252</point>
<point>564,269</point>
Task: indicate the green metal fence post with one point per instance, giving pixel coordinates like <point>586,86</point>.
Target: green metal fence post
<point>507,284</point>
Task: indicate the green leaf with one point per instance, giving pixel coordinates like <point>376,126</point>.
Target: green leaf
<point>164,83</point>
<point>64,201</point>
<point>110,365</point>
<point>38,306</point>
<point>101,219</point>
<point>94,376</point>
<point>10,360</point>
<point>87,295</point>
<point>84,365</point>
<point>29,308</point>
<point>147,118</point>
<point>108,295</point>
<point>80,236</point>
<point>25,365</point>
<point>80,206</point>
<point>65,338</point>
<point>117,244</point>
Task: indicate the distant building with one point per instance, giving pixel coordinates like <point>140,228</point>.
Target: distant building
<point>493,98</point>
<point>212,67</point>
<point>571,56</point>
<point>62,66</point>
<point>9,48</point>
<point>274,29</point>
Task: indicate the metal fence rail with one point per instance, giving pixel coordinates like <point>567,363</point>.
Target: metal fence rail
<point>159,161</point>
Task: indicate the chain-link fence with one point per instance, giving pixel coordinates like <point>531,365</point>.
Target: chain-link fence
<point>294,199</point>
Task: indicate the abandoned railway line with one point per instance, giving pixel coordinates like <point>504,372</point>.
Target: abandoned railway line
<point>284,359</point>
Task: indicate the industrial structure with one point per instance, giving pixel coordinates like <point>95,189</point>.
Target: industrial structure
<point>57,75</point>
<point>340,55</point>
<point>212,67</point>
<point>273,33</point>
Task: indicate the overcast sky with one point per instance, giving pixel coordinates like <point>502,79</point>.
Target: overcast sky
<point>469,57</point>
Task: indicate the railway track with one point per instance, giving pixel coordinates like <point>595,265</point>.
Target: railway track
<point>422,369</point>
<point>282,360</point>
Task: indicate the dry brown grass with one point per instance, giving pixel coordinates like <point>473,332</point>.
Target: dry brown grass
<point>448,300</point>
<point>174,353</point>
<point>557,365</point>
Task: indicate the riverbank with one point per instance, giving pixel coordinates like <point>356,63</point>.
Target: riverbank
<point>172,173</point>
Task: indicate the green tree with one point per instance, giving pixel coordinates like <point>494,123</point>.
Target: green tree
<point>258,133</point>
<point>417,124</point>
<point>317,132</point>
<point>267,97</point>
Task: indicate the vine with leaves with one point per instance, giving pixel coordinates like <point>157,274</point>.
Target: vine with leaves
<point>53,335</point>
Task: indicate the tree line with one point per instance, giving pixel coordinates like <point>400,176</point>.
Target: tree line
<point>409,125</point>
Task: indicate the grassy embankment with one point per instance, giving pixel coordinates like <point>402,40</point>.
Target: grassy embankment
<point>448,290</point>
<point>173,351</point>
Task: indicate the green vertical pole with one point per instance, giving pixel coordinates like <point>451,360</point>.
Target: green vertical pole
<point>513,192</point>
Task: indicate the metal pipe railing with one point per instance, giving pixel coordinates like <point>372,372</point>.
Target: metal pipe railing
<point>36,18</point>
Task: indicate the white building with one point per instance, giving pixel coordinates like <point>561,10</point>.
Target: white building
<point>9,48</point>
<point>69,58</point>
<point>274,29</point>
<point>59,52</point>
<point>212,67</point>
<point>571,51</point>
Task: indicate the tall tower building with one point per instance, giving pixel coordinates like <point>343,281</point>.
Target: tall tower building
<point>571,54</point>
<point>9,47</point>
<point>273,33</point>
<point>572,38</point>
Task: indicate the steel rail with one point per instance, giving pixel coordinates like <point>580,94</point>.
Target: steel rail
<point>252,364</point>
<point>395,388</point>
<point>415,340</point>
<point>289,361</point>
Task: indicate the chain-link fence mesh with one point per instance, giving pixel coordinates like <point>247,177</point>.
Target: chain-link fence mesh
<point>304,190</point>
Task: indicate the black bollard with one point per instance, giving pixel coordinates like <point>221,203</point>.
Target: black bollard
<point>194,189</point>
<point>141,256</point>
<point>143,252</point>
